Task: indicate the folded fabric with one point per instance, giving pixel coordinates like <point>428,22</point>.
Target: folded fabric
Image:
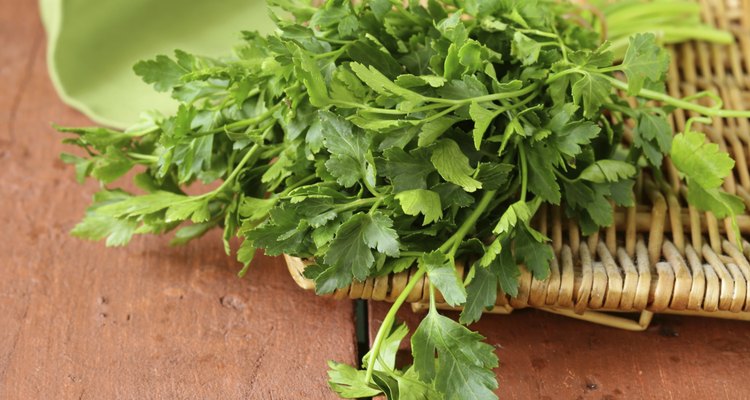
<point>92,46</point>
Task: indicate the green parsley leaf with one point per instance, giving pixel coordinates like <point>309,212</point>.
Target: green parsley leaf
<point>590,201</point>
<point>309,72</point>
<point>411,388</point>
<point>591,91</point>
<point>442,274</point>
<point>542,179</point>
<point>608,171</point>
<point>480,294</point>
<point>700,160</point>
<point>453,165</point>
<point>644,61</point>
<point>518,213</point>
<point>482,119</point>
<point>507,272</point>
<point>721,204</point>
<point>656,128</point>
<point>525,49</point>
<point>351,250</point>
<point>452,196</point>
<point>407,171</point>
<point>349,382</point>
<point>462,369</point>
<point>112,165</point>
<point>328,278</point>
<point>381,84</point>
<point>421,201</point>
<point>162,72</point>
<point>432,130</point>
<point>82,165</point>
<point>97,226</point>
<point>245,253</point>
<point>386,360</point>
<point>532,252</point>
<point>348,150</point>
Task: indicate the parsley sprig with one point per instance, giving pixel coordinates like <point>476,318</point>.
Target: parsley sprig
<point>370,137</point>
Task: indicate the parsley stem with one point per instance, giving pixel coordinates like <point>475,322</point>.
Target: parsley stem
<point>145,131</point>
<point>370,187</point>
<point>470,221</point>
<point>390,111</point>
<point>334,53</point>
<point>549,44</point>
<point>539,33</point>
<point>681,103</point>
<point>297,184</point>
<point>521,103</point>
<point>385,327</point>
<point>376,205</point>
<point>684,104</point>
<point>626,15</point>
<point>387,324</point>
<point>241,123</point>
<point>488,97</point>
<point>610,68</point>
<point>440,102</point>
<point>562,73</point>
<point>356,204</point>
<point>331,40</point>
<point>563,177</point>
<point>250,153</point>
<point>690,121</point>
<point>433,306</point>
<point>440,114</point>
<point>147,158</point>
<point>524,172</point>
<point>364,107</point>
<point>563,47</point>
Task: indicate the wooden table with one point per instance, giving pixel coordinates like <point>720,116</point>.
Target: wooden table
<point>81,321</point>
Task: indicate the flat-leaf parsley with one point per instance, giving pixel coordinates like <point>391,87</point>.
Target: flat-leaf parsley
<point>371,136</point>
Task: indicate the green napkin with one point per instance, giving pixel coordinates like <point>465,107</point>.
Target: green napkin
<point>92,46</point>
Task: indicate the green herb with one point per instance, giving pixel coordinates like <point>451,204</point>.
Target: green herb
<point>374,136</point>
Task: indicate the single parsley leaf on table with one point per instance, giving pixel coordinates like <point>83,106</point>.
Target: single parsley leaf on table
<point>463,367</point>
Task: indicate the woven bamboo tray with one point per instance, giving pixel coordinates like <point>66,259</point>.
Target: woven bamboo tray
<point>661,256</point>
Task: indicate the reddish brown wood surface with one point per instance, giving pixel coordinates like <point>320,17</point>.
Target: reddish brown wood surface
<point>545,356</point>
<point>79,321</point>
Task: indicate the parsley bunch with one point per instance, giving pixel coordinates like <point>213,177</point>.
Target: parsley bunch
<point>369,137</point>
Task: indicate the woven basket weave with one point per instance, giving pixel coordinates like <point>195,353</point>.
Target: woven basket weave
<point>660,256</point>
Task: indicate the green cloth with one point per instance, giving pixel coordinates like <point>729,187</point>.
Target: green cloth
<point>93,45</point>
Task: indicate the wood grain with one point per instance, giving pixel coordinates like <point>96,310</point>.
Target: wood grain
<point>79,321</point>
<point>545,356</point>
